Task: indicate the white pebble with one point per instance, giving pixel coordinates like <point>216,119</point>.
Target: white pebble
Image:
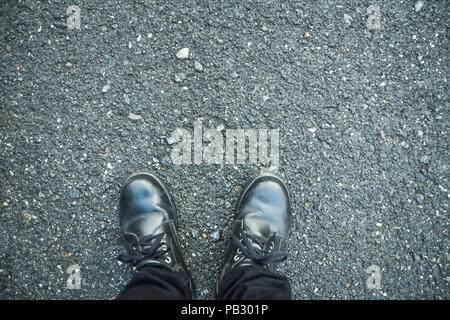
<point>106,88</point>
<point>183,53</point>
<point>133,116</point>
<point>418,6</point>
<point>198,66</point>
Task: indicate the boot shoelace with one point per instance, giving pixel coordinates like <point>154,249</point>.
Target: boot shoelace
<point>251,246</point>
<point>148,247</point>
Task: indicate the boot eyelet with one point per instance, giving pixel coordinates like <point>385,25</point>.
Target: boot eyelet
<point>236,257</point>
<point>168,259</point>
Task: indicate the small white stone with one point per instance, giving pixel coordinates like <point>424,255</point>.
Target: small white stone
<point>198,66</point>
<point>418,6</point>
<point>183,53</point>
<point>133,116</point>
<point>179,77</point>
<point>106,88</point>
<point>347,19</point>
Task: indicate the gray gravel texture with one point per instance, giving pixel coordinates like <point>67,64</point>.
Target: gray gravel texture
<point>363,119</point>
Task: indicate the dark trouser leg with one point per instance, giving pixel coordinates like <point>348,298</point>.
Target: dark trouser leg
<point>253,283</point>
<point>156,283</point>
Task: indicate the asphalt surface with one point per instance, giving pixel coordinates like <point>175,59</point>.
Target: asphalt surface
<point>362,114</point>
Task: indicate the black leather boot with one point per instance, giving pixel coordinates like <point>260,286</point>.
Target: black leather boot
<point>148,220</point>
<point>260,229</point>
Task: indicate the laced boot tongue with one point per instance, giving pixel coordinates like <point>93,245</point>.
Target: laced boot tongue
<point>150,248</point>
<point>257,249</point>
<point>256,245</point>
<point>259,239</point>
